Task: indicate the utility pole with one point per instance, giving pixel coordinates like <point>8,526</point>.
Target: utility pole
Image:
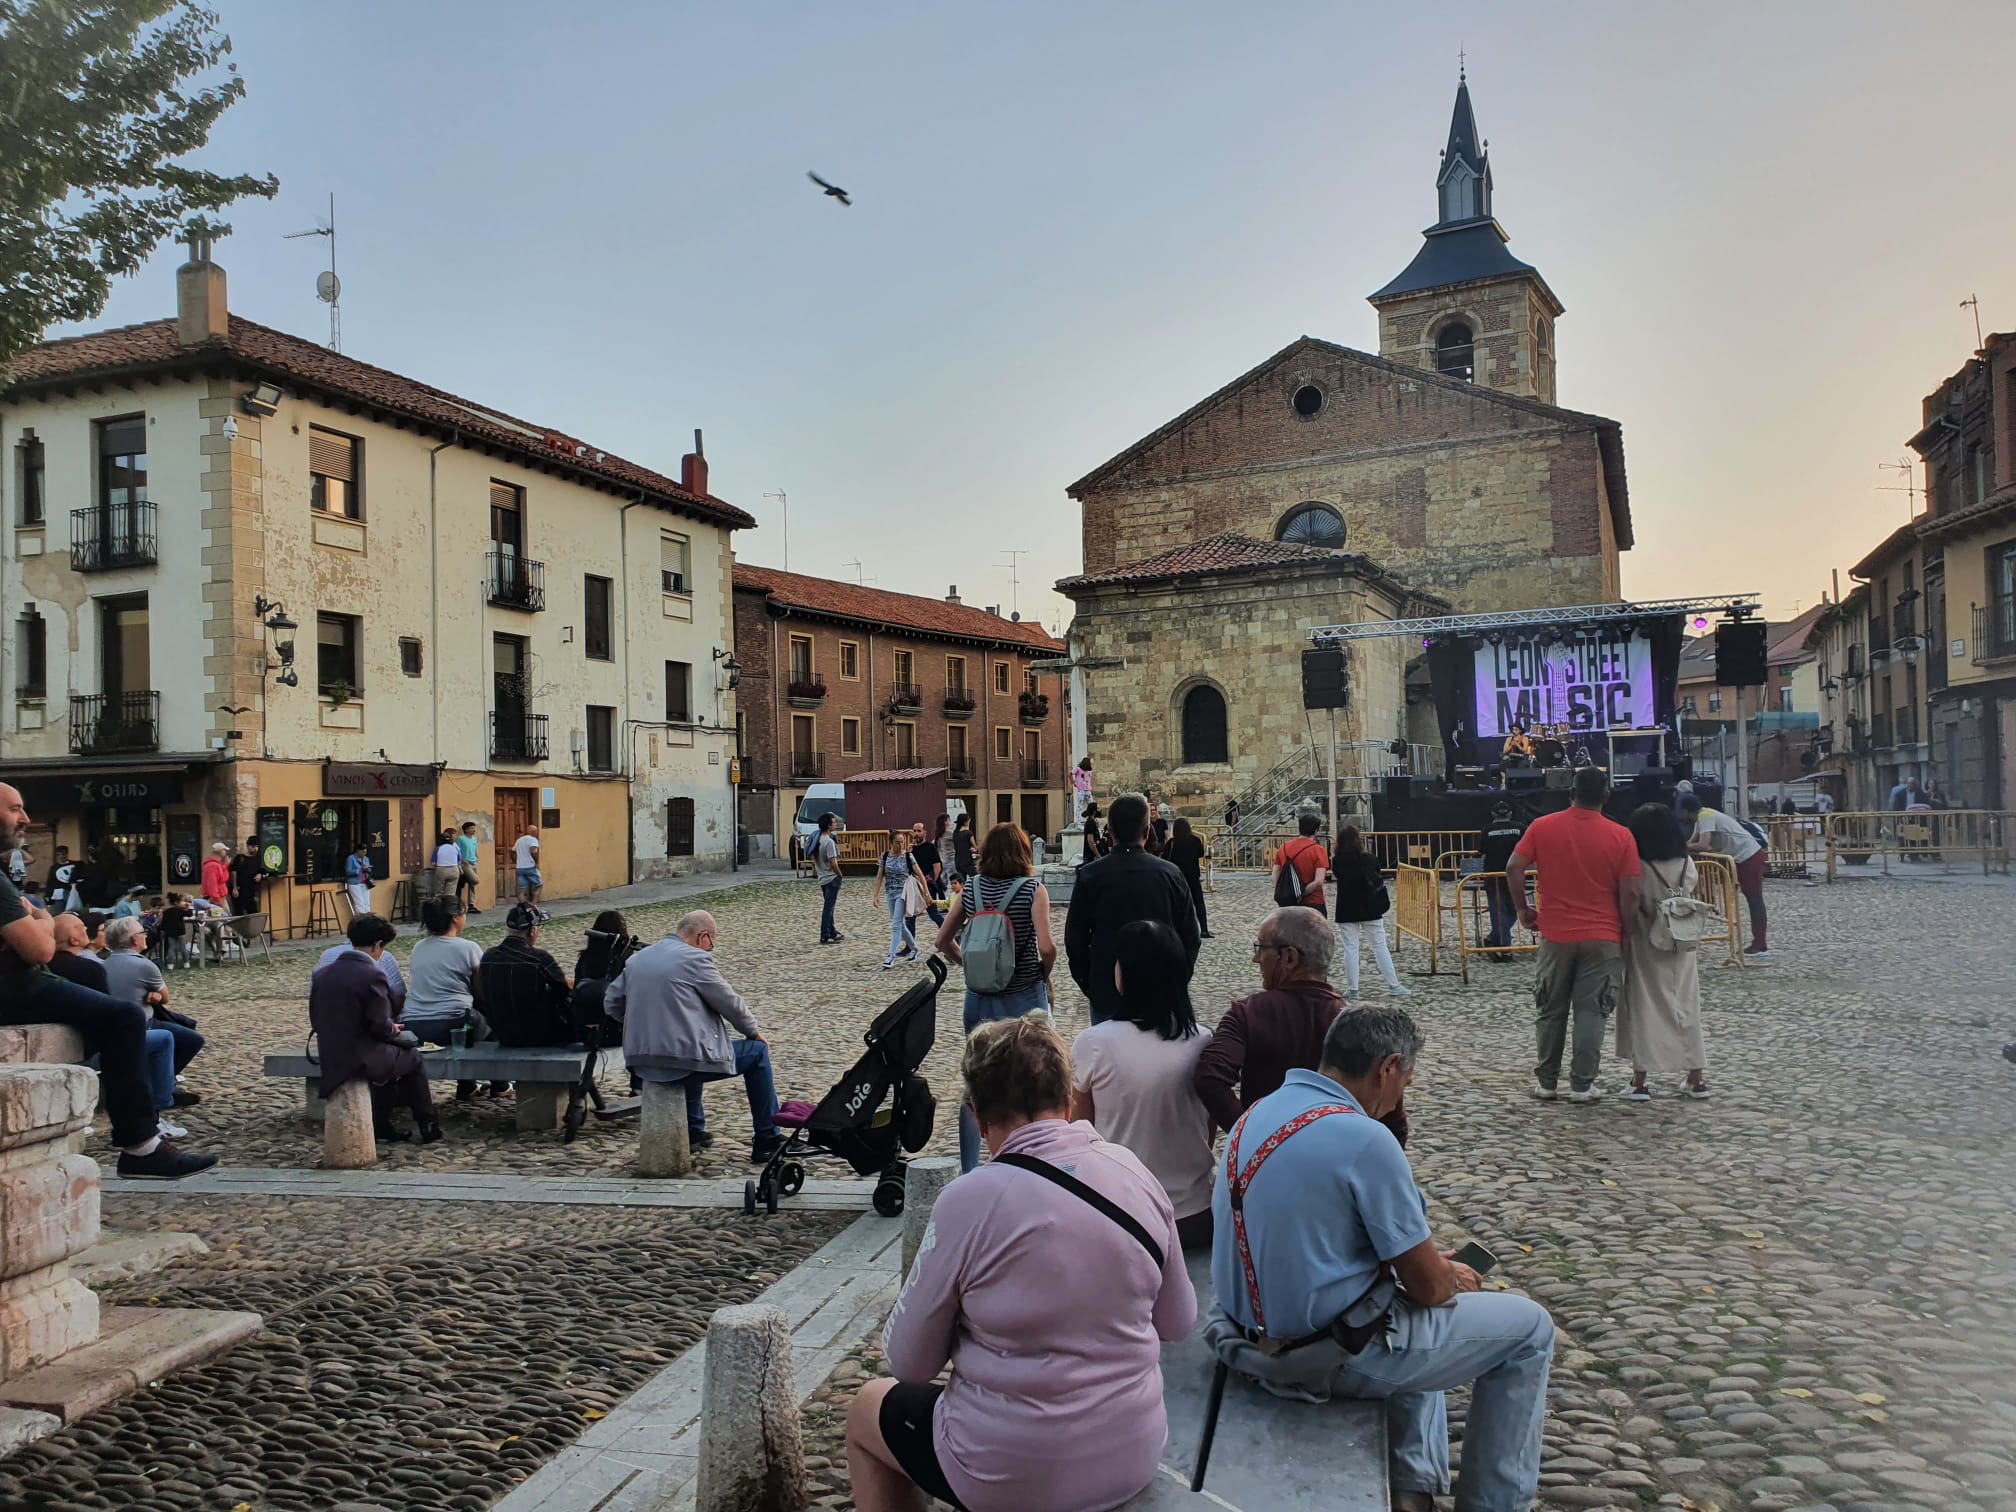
<point>1014,565</point>
<point>1742,755</point>
<point>1331,752</point>
<point>783,523</point>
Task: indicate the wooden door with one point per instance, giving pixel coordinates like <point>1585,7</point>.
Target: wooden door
<point>1036,815</point>
<point>513,813</point>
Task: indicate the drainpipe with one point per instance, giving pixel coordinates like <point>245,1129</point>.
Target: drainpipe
<point>623,583</point>
<point>434,597</point>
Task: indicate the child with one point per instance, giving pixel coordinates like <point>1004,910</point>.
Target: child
<point>175,932</point>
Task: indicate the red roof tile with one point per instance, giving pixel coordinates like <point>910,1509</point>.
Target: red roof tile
<point>904,611</point>
<point>153,345</point>
<point>1228,553</point>
<point>896,774</point>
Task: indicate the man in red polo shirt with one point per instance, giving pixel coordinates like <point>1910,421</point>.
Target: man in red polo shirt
<point>1588,888</point>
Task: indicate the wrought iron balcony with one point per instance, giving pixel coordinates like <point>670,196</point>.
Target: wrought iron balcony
<point>109,536</point>
<point>1035,772</point>
<point>517,737</point>
<point>961,771</point>
<point>1994,631</point>
<point>517,582</point>
<point>906,698</point>
<point>808,766</point>
<point>102,724</point>
<point>1034,708</point>
<point>960,699</point>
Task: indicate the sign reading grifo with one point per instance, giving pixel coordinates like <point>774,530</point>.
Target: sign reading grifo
<point>351,779</point>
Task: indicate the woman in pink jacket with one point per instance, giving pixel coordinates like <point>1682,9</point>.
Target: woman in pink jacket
<point>1050,1309</point>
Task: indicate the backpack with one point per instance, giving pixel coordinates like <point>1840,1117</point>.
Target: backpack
<point>1679,919</point>
<point>1288,887</point>
<point>987,944</point>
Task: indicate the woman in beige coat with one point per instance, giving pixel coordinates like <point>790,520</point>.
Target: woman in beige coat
<point>1659,1018</point>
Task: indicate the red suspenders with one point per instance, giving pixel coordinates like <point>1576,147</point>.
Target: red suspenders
<point>1237,1181</point>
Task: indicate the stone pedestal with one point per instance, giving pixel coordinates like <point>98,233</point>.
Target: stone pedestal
<point>348,1140</point>
<point>540,1105</point>
<point>752,1458</point>
<point>662,1148</point>
<point>48,1212</point>
<point>923,1180</point>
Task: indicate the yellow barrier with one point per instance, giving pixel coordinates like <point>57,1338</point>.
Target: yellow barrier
<point>1797,841</point>
<point>1477,885</point>
<point>1396,848</point>
<point>1941,835</point>
<point>1417,907</point>
<point>1715,884</point>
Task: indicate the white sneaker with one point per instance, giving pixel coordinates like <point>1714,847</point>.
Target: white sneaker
<point>170,1131</point>
<point>1756,958</point>
<point>1586,1095</point>
<point>1397,991</point>
<point>1542,1091</point>
<point>1636,1094</point>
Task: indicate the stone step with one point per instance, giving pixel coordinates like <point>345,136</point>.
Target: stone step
<point>123,1256</point>
<point>135,1345</point>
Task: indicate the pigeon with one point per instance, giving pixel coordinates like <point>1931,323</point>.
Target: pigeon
<point>833,191</point>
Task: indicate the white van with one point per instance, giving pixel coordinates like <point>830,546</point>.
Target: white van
<point>821,798</point>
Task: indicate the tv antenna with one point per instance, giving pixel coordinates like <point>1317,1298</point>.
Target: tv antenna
<point>1973,302</point>
<point>1908,488</point>
<point>328,287</point>
<point>1014,566</point>
<point>860,572</point>
<point>784,523</point>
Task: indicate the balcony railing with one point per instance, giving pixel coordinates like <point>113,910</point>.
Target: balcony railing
<point>1034,708</point>
<point>104,723</point>
<point>806,691</point>
<point>517,737</point>
<point>906,698</point>
<point>959,699</point>
<point>517,582</point>
<point>1994,631</point>
<point>808,766</point>
<point>1035,772</point>
<point>113,535</point>
<point>961,771</point>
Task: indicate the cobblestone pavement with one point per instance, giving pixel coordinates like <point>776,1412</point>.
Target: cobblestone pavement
<point>422,1356</point>
<point>1795,1295</point>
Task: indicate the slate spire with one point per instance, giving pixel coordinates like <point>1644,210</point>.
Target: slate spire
<point>1463,183</point>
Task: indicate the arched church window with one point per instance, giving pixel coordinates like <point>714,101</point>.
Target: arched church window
<point>1452,351</point>
<point>1204,726</point>
<point>1312,524</point>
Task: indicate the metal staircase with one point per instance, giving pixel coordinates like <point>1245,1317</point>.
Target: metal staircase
<point>1275,800</point>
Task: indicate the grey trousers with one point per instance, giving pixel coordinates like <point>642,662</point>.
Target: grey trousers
<point>1582,981</point>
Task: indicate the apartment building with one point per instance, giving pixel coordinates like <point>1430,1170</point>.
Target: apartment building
<point>255,587</point>
<point>839,679</point>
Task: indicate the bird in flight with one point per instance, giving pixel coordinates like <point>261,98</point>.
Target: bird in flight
<point>833,191</point>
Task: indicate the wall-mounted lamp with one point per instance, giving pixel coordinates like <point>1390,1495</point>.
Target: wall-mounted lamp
<point>273,615</point>
<point>729,665</point>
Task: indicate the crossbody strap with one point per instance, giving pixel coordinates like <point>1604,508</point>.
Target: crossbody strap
<point>1237,1181</point>
<point>1078,1189</point>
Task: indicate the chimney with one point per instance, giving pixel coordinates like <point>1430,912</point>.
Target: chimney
<point>200,312</point>
<point>693,469</point>
<point>952,594</point>
<point>995,610</point>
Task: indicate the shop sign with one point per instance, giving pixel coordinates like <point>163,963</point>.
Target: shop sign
<point>350,779</point>
<point>107,790</point>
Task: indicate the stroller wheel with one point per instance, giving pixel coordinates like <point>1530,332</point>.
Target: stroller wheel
<point>748,1196</point>
<point>769,1197</point>
<point>889,1198</point>
<point>791,1179</point>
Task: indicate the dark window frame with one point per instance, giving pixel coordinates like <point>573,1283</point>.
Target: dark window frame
<point>607,720</point>
<point>681,827</point>
<point>353,486</point>
<point>34,481</point>
<point>33,652</point>
<point>597,623</point>
<point>679,710</point>
<point>352,648</point>
<point>1206,730</point>
<point>414,665</point>
<point>1457,357</point>
<point>1295,533</point>
<point>102,432</point>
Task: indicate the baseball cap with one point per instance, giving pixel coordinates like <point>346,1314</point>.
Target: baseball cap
<point>1501,811</point>
<point>521,919</point>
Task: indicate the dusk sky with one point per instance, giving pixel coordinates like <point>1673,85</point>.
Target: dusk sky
<point>1071,222</point>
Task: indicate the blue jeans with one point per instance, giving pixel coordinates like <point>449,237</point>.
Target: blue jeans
<point>986,1008</point>
<point>187,1041</point>
<point>828,930</point>
<point>161,1068</point>
<point>752,1064</point>
<point>1503,914</point>
<point>900,937</point>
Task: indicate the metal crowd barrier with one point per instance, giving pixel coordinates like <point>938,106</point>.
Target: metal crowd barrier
<point>1715,884</point>
<point>1417,908</point>
<point>1797,842</point>
<point>1473,911</point>
<point>1922,837</point>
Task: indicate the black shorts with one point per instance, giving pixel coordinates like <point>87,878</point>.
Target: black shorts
<point>905,1421</point>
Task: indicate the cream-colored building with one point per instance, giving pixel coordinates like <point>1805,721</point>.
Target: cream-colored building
<point>253,586</point>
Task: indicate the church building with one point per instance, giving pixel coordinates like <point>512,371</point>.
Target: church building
<point>1328,485</point>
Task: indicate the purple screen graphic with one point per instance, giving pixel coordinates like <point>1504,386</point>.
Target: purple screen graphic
<point>1599,682</point>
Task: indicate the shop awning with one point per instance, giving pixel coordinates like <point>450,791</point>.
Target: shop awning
<point>102,782</point>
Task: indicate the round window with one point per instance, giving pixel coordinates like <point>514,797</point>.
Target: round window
<point>1308,400</point>
<point>1312,524</point>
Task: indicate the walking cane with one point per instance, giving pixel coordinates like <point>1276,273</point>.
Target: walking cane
<point>1210,1426</point>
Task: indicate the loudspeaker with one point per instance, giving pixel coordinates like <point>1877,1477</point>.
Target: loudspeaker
<point>1325,684</point>
<point>1626,764</point>
<point>1398,787</point>
<point>1740,647</point>
<point>1424,786</point>
<point>1657,774</point>
<point>1559,777</point>
<point>1518,778</point>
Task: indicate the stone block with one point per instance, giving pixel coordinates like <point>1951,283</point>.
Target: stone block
<point>752,1458</point>
<point>19,1426</point>
<point>138,1345</point>
<point>349,1142</point>
<point>923,1180</point>
<point>50,1044</point>
<point>48,1212</point>
<point>123,1256</point>
<point>39,1324</point>
<point>40,1102</point>
<point>540,1105</point>
<point>662,1146</point>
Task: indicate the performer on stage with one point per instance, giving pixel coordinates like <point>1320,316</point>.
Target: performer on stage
<point>1518,743</point>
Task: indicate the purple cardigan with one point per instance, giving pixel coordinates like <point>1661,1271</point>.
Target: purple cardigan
<point>1051,1316</point>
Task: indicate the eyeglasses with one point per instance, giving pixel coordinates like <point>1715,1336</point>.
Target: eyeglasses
<point>1260,945</point>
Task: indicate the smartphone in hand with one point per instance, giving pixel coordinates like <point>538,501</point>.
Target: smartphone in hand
<point>1478,1258</point>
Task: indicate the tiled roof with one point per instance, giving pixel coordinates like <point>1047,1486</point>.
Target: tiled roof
<point>1990,511</point>
<point>128,349</point>
<point>899,611</point>
<point>897,774</point>
<point>1227,553</point>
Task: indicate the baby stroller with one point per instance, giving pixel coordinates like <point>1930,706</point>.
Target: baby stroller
<point>851,1121</point>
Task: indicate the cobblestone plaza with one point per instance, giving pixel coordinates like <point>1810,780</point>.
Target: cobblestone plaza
<point>1796,1295</point>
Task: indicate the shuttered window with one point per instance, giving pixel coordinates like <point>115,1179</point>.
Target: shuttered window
<point>333,474</point>
<point>679,827</point>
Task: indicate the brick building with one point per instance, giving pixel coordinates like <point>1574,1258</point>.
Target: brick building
<point>1442,463</point>
<point>839,679</point>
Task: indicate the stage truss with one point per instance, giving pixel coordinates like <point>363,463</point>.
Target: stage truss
<point>1591,616</point>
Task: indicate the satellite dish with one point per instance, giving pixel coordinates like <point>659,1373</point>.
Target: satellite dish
<point>328,288</point>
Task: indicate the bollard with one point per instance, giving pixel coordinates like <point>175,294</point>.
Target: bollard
<point>922,1182</point>
<point>349,1142</point>
<point>662,1148</point>
<point>751,1456</point>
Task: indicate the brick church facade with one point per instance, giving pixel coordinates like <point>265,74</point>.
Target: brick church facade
<point>1329,485</point>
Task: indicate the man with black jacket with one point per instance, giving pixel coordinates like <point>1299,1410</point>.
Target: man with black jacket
<point>525,993</point>
<point>1129,884</point>
<point>1499,840</point>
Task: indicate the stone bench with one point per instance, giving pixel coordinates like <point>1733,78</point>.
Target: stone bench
<point>544,1077</point>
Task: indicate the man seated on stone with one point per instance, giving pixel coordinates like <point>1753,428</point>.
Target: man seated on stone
<point>395,981</point>
<point>114,1031</point>
<point>1278,1029</point>
<point>75,961</point>
<point>134,979</point>
<point>677,1010</point>
<point>356,1039</point>
<point>1328,1221</point>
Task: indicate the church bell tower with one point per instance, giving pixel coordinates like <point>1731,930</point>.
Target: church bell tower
<point>1465,306</point>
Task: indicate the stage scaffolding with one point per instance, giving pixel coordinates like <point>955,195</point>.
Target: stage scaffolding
<point>1569,619</point>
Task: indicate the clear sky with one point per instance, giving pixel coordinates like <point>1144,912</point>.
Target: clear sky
<point>1072,221</point>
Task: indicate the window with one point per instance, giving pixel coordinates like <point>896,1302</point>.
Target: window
<point>1204,726</point>
<point>1715,702</point>
<point>122,463</point>
<point>31,648</point>
<point>906,669</point>
<point>906,744</point>
<point>336,637</point>
<point>409,656</point>
<point>957,755</point>
<point>1032,748</point>
<point>955,675</point>
<point>850,660</point>
<point>1312,524</point>
<point>2002,597</point>
<point>333,474</point>
<point>1001,676</point>
<point>1029,683</point>
<point>1785,699</point>
<point>601,738</point>
<point>507,519</point>
<point>801,658</point>
<point>679,827</point>
<point>678,692</point>
<point>1453,351</point>
<point>595,600</point>
<point>34,499</point>
<point>1002,749</point>
<point>1308,401</point>
<point>850,737</point>
<point>674,563</point>
<point>1977,474</point>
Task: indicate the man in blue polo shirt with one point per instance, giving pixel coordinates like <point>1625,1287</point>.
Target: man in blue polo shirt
<point>1327,1218</point>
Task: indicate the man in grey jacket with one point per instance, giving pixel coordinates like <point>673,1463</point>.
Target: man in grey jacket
<point>677,1009</point>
